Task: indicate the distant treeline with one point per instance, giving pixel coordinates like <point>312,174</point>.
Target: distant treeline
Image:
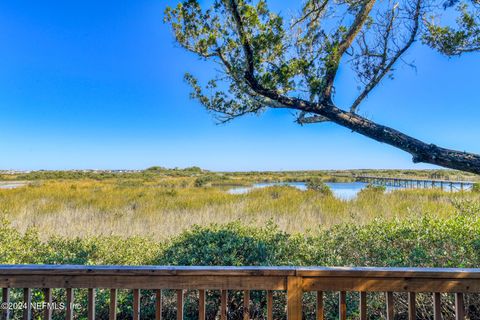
<point>250,176</point>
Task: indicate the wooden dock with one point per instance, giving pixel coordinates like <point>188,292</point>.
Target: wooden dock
<point>410,183</point>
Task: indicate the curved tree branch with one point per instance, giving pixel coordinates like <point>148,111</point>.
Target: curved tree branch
<point>384,68</point>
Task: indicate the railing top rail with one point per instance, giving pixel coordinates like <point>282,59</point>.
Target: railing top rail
<point>357,272</point>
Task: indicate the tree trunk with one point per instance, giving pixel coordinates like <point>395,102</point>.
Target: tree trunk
<point>421,151</point>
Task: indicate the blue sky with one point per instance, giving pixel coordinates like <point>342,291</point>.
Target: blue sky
<point>99,84</point>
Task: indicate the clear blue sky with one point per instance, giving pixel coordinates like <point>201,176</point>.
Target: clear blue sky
<point>99,84</point>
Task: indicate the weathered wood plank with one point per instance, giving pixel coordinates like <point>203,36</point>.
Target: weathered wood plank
<point>342,305</point>
<point>91,304</point>
<point>6,302</point>
<point>372,272</point>
<point>136,304</point>
<point>27,300</point>
<point>391,284</point>
<point>70,301</point>
<point>145,270</point>
<point>113,304</point>
<point>179,304</point>
<point>201,305</point>
<point>158,304</point>
<point>294,298</point>
<point>363,305</point>
<point>145,282</point>
<point>459,306</point>
<point>320,308</point>
<point>412,309</point>
<point>390,305</point>
<point>437,306</point>
<point>223,305</point>
<point>47,313</point>
<point>363,272</point>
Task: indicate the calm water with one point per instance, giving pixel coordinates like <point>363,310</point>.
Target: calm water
<point>11,185</point>
<point>341,190</point>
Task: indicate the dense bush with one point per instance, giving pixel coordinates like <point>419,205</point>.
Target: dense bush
<point>476,187</point>
<point>426,241</point>
<point>319,186</point>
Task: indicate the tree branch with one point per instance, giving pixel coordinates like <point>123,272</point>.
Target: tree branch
<point>336,56</point>
<point>384,68</point>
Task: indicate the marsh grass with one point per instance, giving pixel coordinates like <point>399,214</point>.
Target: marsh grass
<point>162,207</point>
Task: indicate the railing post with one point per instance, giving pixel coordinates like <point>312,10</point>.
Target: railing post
<point>179,304</point>
<point>113,305</point>
<point>342,305</point>
<point>201,304</point>
<point>390,305</point>
<point>70,299</point>
<point>48,300</point>
<point>459,307</point>
<point>91,304</point>
<point>320,315</point>
<point>246,305</point>
<point>158,304</point>
<point>223,305</point>
<point>136,304</point>
<point>6,303</point>
<point>27,299</point>
<point>363,305</point>
<point>294,298</point>
<point>269,305</point>
<point>437,306</point>
<point>412,309</point>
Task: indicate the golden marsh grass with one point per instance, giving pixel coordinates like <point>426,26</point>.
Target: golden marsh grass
<point>160,208</point>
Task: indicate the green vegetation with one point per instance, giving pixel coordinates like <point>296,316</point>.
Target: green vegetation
<point>319,186</point>
<point>426,241</point>
<point>239,178</point>
<point>476,187</point>
<point>187,217</point>
<point>160,207</point>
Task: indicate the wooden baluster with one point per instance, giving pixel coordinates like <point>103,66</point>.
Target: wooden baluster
<point>70,299</point>
<point>6,302</point>
<point>246,305</point>
<point>223,305</point>
<point>320,310</point>
<point>390,305</point>
<point>27,300</point>
<point>201,304</point>
<point>179,304</point>
<point>294,298</point>
<point>437,306</point>
<point>91,304</point>
<point>113,304</point>
<point>269,305</point>
<point>363,305</point>
<point>158,304</point>
<point>136,304</point>
<point>48,299</point>
<point>412,309</point>
<point>459,307</point>
<point>342,305</point>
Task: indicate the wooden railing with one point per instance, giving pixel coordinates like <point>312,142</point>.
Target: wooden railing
<point>294,280</point>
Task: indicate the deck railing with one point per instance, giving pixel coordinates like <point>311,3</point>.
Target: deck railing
<point>294,280</point>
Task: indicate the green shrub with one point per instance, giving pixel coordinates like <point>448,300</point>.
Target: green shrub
<point>476,187</point>
<point>318,185</point>
<point>427,241</point>
<point>202,181</point>
<point>372,190</point>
